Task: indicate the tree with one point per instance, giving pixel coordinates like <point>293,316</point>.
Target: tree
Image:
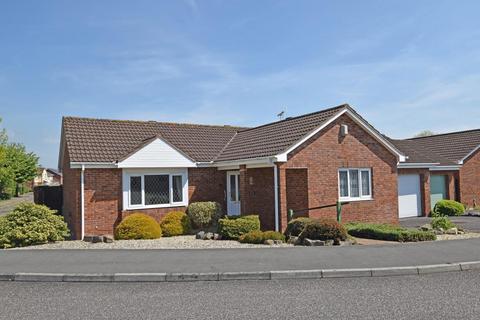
<point>7,177</point>
<point>424,133</point>
<point>23,164</point>
<point>3,135</point>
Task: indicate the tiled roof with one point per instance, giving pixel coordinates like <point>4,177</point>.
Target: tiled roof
<point>446,149</point>
<point>274,138</point>
<point>100,140</point>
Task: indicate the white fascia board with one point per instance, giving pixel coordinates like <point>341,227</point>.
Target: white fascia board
<point>282,157</point>
<point>93,165</point>
<point>444,168</point>
<point>267,161</point>
<point>469,154</point>
<point>419,165</point>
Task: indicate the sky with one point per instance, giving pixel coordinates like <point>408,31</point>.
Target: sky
<point>406,66</point>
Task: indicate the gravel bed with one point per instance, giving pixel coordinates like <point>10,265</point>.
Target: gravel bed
<point>458,236</point>
<point>180,242</point>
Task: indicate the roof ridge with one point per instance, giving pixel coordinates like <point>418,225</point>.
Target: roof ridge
<point>345,105</point>
<point>441,134</point>
<point>159,122</point>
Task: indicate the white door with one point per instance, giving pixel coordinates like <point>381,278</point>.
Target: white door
<point>233,193</point>
<point>409,196</point>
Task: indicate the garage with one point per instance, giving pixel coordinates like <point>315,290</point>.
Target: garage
<point>409,196</point>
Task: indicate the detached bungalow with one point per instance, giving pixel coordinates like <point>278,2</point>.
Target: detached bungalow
<point>112,168</point>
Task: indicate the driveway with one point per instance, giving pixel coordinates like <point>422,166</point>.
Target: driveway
<point>471,224</point>
<point>8,205</point>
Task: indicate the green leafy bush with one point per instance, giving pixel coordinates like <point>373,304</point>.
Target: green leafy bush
<point>388,232</point>
<point>442,222</point>
<point>296,226</point>
<point>324,229</point>
<point>448,208</point>
<point>138,226</point>
<point>30,224</point>
<point>204,214</point>
<point>259,237</point>
<point>234,227</point>
<point>175,223</point>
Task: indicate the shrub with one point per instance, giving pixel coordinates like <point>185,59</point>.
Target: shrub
<point>234,227</point>
<point>138,226</point>
<point>175,223</point>
<point>324,229</point>
<point>30,224</point>
<point>388,232</point>
<point>442,222</point>
<point>259,237</point>
<point>296,226</point>
<point>448,208</point>
<point>255,237</point>
<point>204,214</point>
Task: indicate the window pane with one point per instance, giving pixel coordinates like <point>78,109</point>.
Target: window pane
<point>233,188</point>
<point>157,189</point>
<point>343,184</point>
<point>177,188</point>
<point>135,190</point>
<point>365,183</point>
<point>354,186</point>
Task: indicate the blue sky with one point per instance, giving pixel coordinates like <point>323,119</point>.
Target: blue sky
<point>404,65</point>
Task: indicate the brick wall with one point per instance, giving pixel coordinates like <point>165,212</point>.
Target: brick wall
<point>259,196</point>
<point>103,197</point>
<point>325,153</point>
<point>469,178</point>
<point>297,186</point>
<point>71,196</point>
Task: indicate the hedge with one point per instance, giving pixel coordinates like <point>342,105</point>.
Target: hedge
<point>234,227</point>
<point>448,208</point>
<point>388,232</point>
<point>175,223</point>
<point>442,222</point>
<point>259,237</point>
<point>30,224</point>
<point>296,226</point>
<point>324,229</point>
<point>138,226</point>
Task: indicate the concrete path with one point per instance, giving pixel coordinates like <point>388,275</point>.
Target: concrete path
<point>8,205</point>
<point>237,260</point>
<point>469,223</point>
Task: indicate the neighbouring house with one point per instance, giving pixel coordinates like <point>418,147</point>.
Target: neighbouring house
<point>47,176</point>
<point>112,168</point>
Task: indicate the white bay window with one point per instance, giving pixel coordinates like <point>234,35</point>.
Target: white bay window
<point>154,188</point>
<point>355,184</point>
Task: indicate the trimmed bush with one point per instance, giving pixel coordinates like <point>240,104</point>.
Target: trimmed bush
<point>324,229</point>
<point>255,237</point>
<point>388,232</point>
<point>175,223</point>
<point>204,214</point>
<point>448,208</point>
<point>259,237</point>
<point>30,224</point>
<point>234,227</point>
<point>296,226</point>
<point>138,226</point>
<point>442,222</point>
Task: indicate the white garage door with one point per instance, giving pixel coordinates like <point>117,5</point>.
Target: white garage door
<point>409,196</point>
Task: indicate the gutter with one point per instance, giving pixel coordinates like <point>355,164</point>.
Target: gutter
<point>275,188</point>
<point>82,196</point>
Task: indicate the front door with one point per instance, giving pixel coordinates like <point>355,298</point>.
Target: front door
<point>438,188</point>
<point>233,193</point>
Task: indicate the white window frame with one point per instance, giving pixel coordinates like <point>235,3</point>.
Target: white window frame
<point>128,173</point>
<point>361,197</point>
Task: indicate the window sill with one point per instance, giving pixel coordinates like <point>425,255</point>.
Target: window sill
<point>159,206</point>
<point>355,199</point>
